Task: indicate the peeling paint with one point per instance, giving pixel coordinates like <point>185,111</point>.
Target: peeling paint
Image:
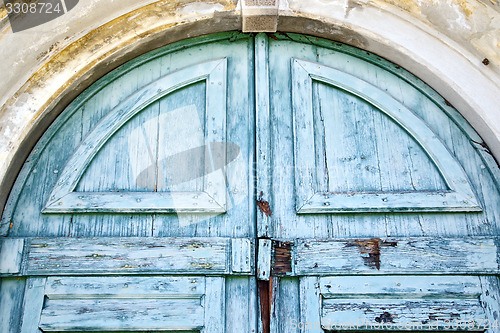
<point>370,250</point>
<point>282,258</point>
<point>264,206</point>
<point>385,317</point>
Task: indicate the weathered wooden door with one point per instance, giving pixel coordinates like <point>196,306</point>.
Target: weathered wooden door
<point>134,212</point>
<point>239,183</point>
<point>375,209</point>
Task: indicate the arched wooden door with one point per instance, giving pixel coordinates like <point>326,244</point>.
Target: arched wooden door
<point>240,183</point>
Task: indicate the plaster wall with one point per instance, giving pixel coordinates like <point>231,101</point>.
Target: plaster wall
<point>453,45</point>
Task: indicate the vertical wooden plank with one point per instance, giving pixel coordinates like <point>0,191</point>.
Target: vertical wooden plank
<point>281,146</point>
<point>216,131</point>
<point>253,309</point>
<point>32,305</point>
<point>240,128</point>
<point>262,130</point>
<point>26,218</point>
<point>284,305</point>
<point>310,305</point>
<point>11,253</point>
<point>314,226</point>
<point>214,304</point>
<point>241,255</point>
<point>490,299</point>
<point>264,259</point>
<point>11,301</point>
<point>240,304</point>
<point>275,305</point>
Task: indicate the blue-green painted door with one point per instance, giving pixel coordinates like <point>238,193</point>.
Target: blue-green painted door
<point>135,210</point>
<point>379,208</point>
<point>240,183</point>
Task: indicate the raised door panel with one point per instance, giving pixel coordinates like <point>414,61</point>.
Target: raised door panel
<point>364,173</point>
<point>174,135</point>
<point>357,149</point>
<point>70,304</point>
<point>393,303</point>
<point>161,146</point>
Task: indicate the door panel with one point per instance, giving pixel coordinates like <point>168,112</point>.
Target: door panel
<point>390,303</point>
<point>124,303</point>
<point>241,183</point>
<point>366,161</point>
<point>432,118</point>
<point>193,105</point>
<point>364,170</point>
<point>133,303</point>
<point>184,133</point>
<point>135,211</point>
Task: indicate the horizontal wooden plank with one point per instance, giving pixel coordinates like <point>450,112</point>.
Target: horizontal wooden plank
<point>11,252</point>
<point>135,202</point>
<point>114,315</point>
<point>362,202</point>
<point>403,315</point>
<point>134,255</point>
<point>409,256</point>
<point>144,287</point>
<point>400,287</point>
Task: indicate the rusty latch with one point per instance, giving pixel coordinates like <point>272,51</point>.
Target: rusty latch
<point>274,258</point>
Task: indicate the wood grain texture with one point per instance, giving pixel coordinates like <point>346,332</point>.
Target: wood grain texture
<point>262,130</point>
<point>32,304</point>
<point>459,197</point>
<point>310,305</point>
<point>402,314</point>
<point>396,256</point>
<point>11,302</point>
<point>11,252</point>
<point>97,256</point>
